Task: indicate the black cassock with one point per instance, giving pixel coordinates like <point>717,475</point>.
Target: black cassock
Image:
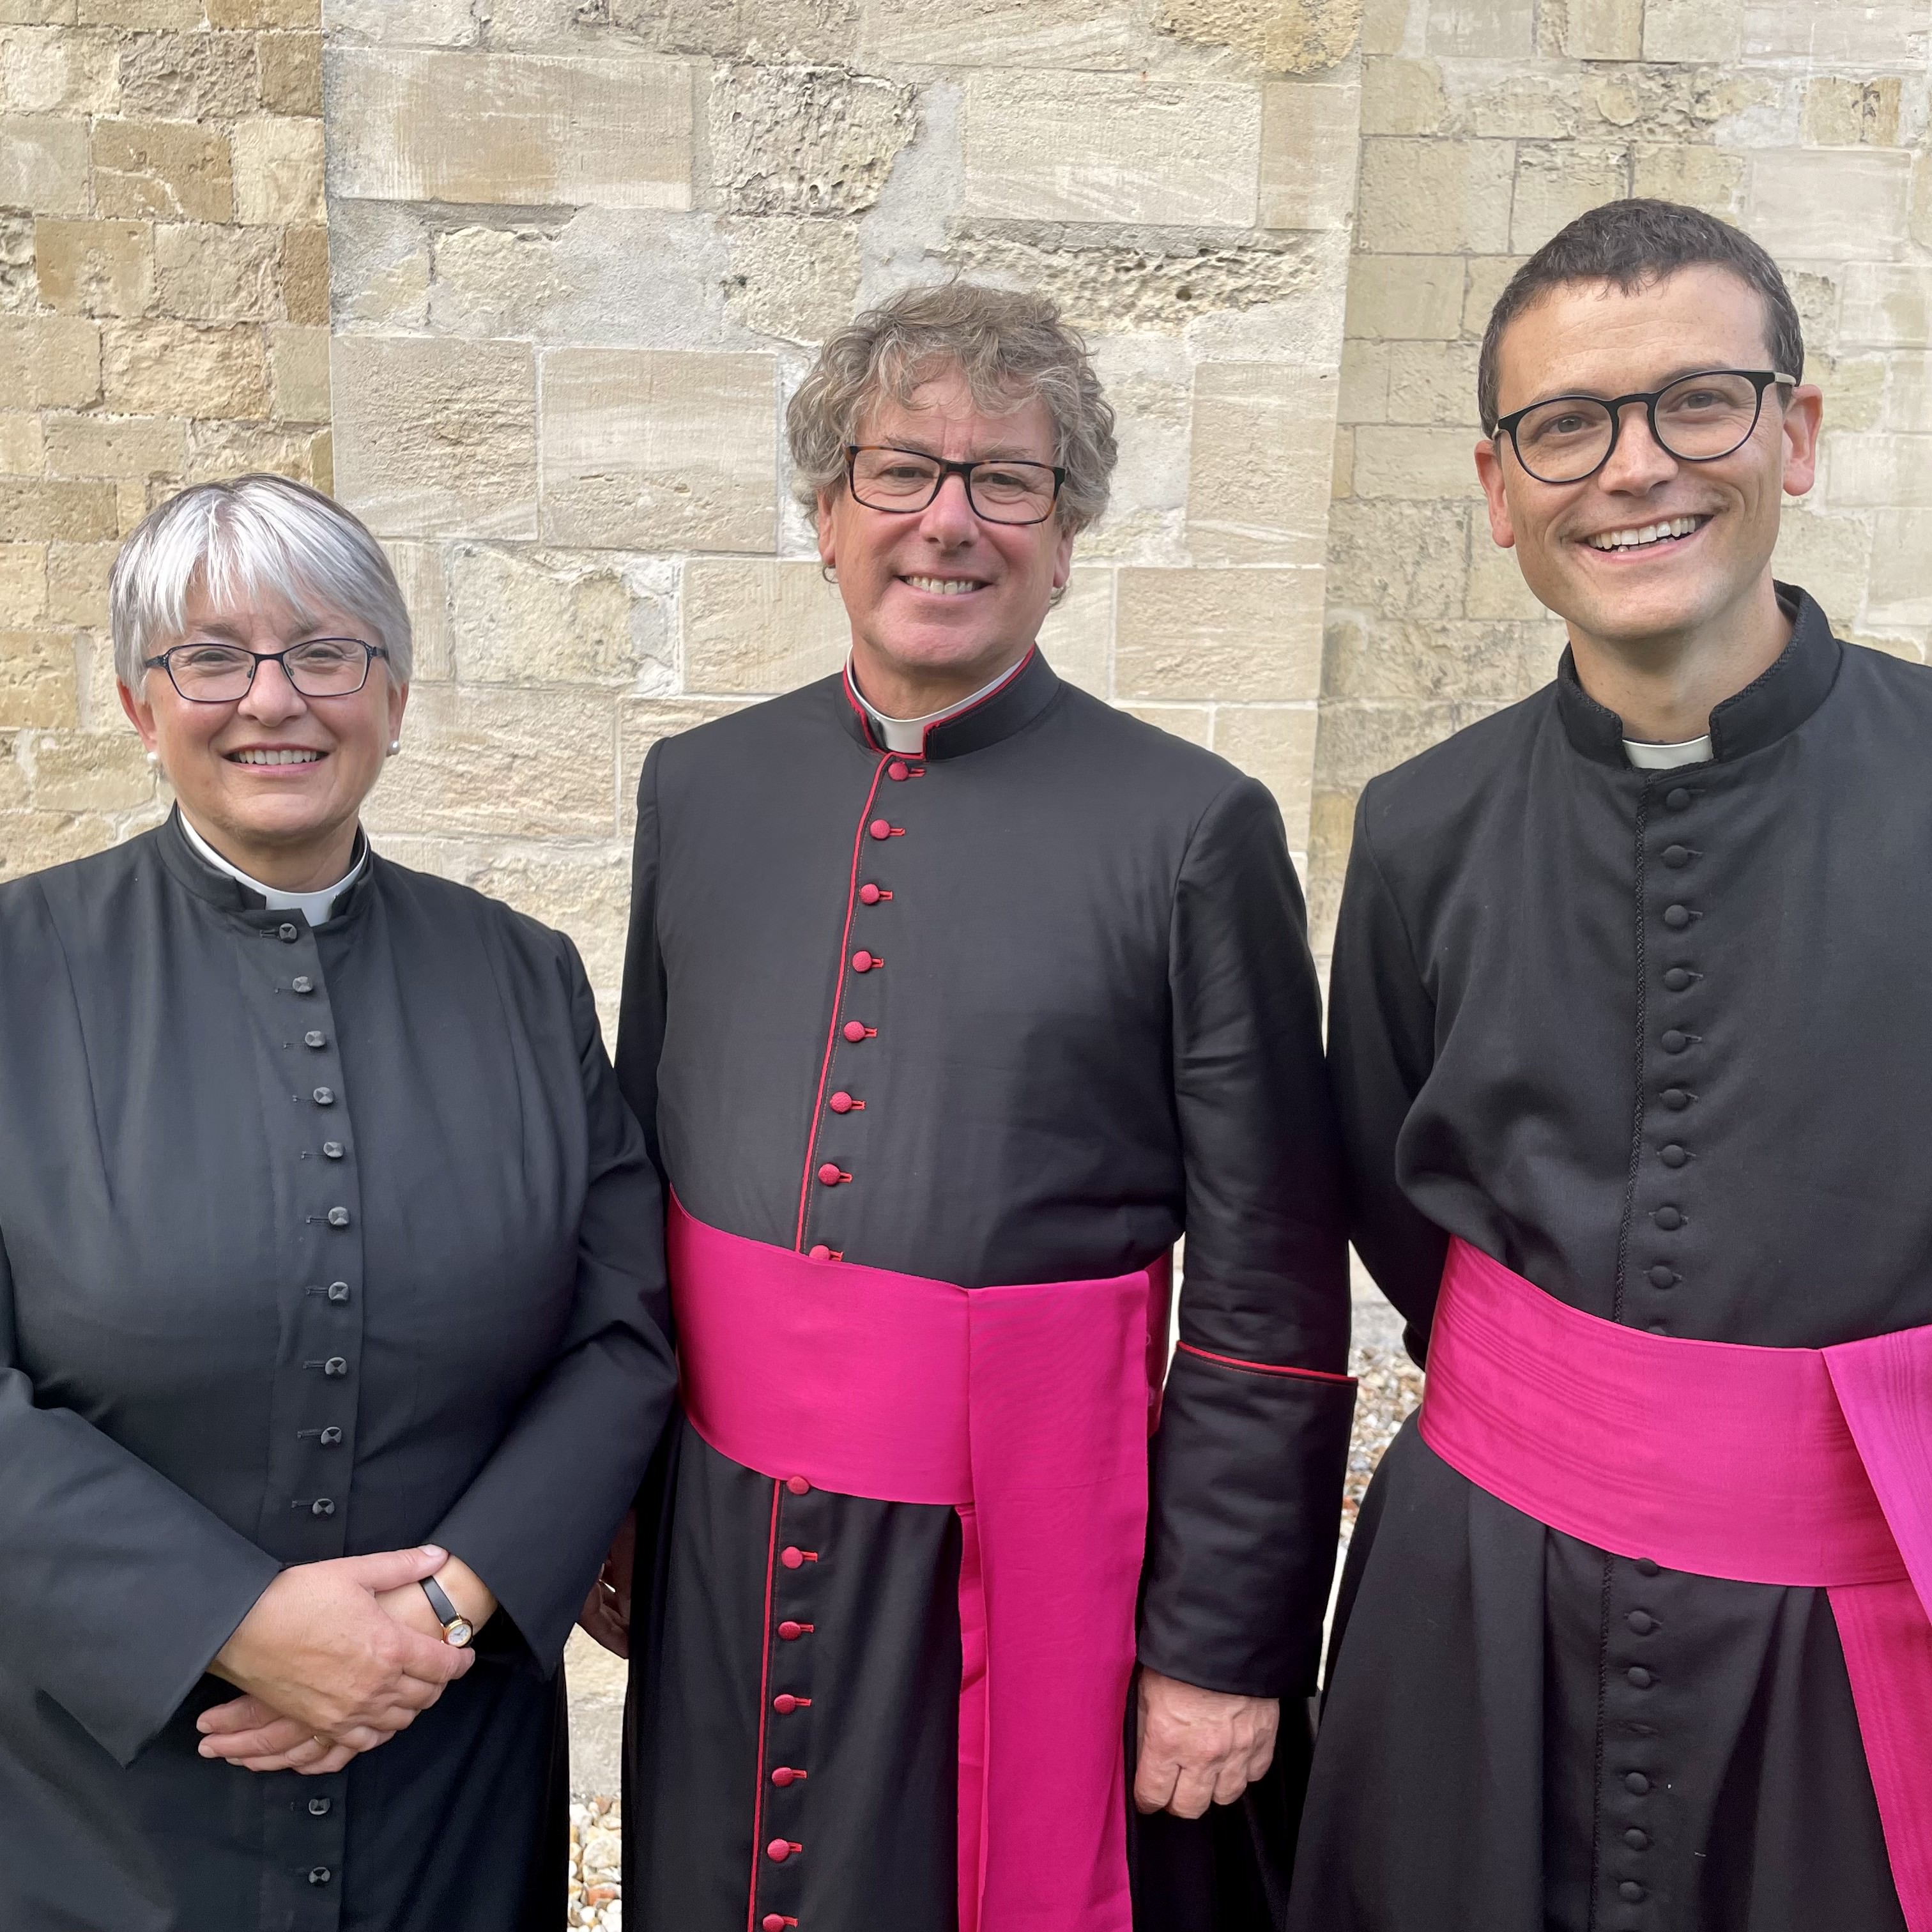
<point>1095,1025</point>
<point>313,1242</point>
<point>1658,1040</point>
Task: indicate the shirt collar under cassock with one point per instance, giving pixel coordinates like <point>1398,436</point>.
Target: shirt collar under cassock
<point>316,908</point>
<point>224,886</point>
<point>1773,704</point>
<point>1007,706</point>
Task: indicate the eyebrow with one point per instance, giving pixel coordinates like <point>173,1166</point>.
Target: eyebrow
<point>998,453</point>
<point>1663,382</point>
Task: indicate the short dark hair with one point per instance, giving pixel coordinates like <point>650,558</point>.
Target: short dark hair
<point>1631,244</point>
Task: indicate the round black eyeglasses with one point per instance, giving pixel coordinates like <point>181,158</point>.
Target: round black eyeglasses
<point>902,481</point>
<point>1697,418</point>
<point>223,674</point>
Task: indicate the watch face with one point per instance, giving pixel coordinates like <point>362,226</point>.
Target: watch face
<point>458,1632</point>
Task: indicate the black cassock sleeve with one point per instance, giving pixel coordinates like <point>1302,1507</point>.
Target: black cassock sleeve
<point>641,1023</point>
<point>1249,1460</point>
<point>116,1587</point>
<point>537,1519</point>
<point>1382,1034</point>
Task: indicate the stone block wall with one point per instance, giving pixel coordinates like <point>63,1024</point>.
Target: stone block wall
<point>163,318</point>
<point>1485,127</point>
<point>583,254</point>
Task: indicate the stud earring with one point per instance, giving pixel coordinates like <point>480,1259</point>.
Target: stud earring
<point>153,761</point>
<point>395,745</point>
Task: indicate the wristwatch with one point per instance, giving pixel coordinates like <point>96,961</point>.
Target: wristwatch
<point>456,1628</point>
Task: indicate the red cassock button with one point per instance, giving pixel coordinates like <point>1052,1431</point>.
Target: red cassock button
<point>791,1556</point>
<point>840,1103</point>
<point>785,1703</point>
<point>896,770</point>
<point>881,828</point>
<point>829,1174</point>
<point>772,1922</point>
<point>798,1486</point>
<point>869,894</point>
<point>784,1775</point>
<point>863,962</point>
<point>779,1850</point>
<point>820,1253</point>
<point>854,1032</point>
<point>791,1631</point>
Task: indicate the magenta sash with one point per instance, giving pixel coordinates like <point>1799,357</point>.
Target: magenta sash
<point>1809,1466</point>
<point>1026,1409</point>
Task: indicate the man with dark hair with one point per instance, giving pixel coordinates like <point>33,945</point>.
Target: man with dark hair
<point>1632,1056</point>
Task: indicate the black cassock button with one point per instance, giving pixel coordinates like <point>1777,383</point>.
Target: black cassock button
<point>335,1365</point>
<point>1640,1677</point>
<point>1668,1219</point>
<point>1646,1566</point>
<point>1677,979</point>
<point>315,1040</point>
<point>338,1217</point>
<point>1636,1781</point>
<point>1675,1099</point>
<point>331,1437</point>
<point>319,1874</point>
<point>1674,1156</point>
<point>1637,1840</point>
<point>1675,856</point>
<point>318,1807</point>
<point>1661,1277</point>
<point>302,983</point>
<point>325,1096</point>
<point>1642,1622</point>
<point>1677,798</point>
<point>1630,1892</point>
<point>332,1150</point>
<point>338,1290</point>
<point>321,1506</point>
<point>288,934</point>
<point>1674,1042</point>
<point>1677,917</point>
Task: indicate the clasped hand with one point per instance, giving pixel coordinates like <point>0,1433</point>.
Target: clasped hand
<point>334,1660</point>
<point>1199,1747</point>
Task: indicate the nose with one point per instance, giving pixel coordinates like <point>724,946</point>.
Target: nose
<point>272,696</point>
<point>1639,463</point>
<point>948,520</point>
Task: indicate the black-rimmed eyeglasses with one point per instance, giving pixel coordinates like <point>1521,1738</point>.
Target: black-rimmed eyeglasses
<point>1697,418</point>
<point>210,673</point>
<point>900,481</point>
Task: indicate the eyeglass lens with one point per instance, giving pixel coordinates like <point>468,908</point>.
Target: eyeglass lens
<point>1700,418</point>
<point>323,668</point>
<point>1002,492</point>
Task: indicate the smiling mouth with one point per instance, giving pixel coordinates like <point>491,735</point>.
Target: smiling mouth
<point>944,586</point>
<point>1648,536</point>
<point>278,757</point>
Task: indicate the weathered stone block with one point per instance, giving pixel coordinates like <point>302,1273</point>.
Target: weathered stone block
<point>659,449</point>
<point>1398,558</point>
<point>298,373</point>
<point>423,23</point>
<point>1556,184</point>
<point>154,368</point>
<point>1693,30</point>
<point>1045,35</point>
<point>524,129</point>
<point>1604,30</point>
<point>1404,297</point>
<point>510,764</point>
<point>1385,27</point>
<point>21,444</point>
<point>641,722</point>
<point>1488,29</point>
<point>1887,305</point>
<point>520,616</point>
<point>1878,472</point>
<point>1433,382</point>
<point>291,70</point>
<point>77,584</point>
<point>1798,200</point>
<point>304,274</point>
<point>193,76</point>
<point>56,70</point>
<point>757,625</point>
<point>1308,154</point>
<point>19,287</point>
<point>1403,97</point>
<point>792,276</point>
<point>1496,589</point>
<point>1919,214</point>
<point>170,169</point>
<point>98,445</point>
<point>1342,475</point>
<point>1089,147</point>
<point>1420,197</point>
<point>1420,462</point>
<point>420,577</point>
<point>1241,635</point>
<point>1193,722</point>
<point>95,268</point>
<point>50,362</point>
<point>1887,35</point>
<point>43,164</point>
<point>264,13</point>
<point>1907,399</point>
<point>804,140</point>
<point>585,894</point>
<point>436,438</point>
<point>37,13</point>
<point>150,14</point>
<point>36,677</point>
<point>1831,557</point>
<point>1275,743</point>
<point>1463,662</point>
<point>1705,178</point>
<point>278,170</point>
<point>30,841</point>
<point>1842,112</point>
<point>1362,395</point>
<point>1277,36</point>
<point>23,586</point>
<point>218,449</point>
<point>1258,462</point>
<point>1077,636</point>
<point>379,265</point>
<point>207,273</point>
<point>1489,276</point>
<point>1901,586</point>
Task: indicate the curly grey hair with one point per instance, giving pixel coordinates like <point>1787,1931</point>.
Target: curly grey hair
<point>252,536</point>
<point>1010,347</point>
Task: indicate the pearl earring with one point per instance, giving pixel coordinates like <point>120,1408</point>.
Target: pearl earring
<point>395,745</point>
<point>153,761</point>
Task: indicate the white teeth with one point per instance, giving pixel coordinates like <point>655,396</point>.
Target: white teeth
<point>943,587</point>
<point>276,758</point>
<point>1675,526</point>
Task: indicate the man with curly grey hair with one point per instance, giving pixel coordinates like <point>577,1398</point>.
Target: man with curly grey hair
<point>954,998</point>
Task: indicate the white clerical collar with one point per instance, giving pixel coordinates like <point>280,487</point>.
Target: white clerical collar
<point>314,907</point>
<point>1668,757</point>
<point>908,734</point>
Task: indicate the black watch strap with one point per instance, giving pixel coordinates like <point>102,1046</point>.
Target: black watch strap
<point>456,1628</point>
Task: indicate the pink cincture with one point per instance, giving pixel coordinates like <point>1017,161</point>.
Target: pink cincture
<point>1794,1466</point>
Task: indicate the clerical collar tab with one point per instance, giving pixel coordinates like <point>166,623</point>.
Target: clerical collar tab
<point>1010,706</point>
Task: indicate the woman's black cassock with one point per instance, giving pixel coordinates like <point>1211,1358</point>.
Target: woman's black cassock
<point>194,1092</point>
<point>1096,1024</point>
<point>1657,1040</point>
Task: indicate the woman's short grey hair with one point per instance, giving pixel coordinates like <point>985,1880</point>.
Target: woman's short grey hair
<point>1011,348</point>
<point>252,538</point>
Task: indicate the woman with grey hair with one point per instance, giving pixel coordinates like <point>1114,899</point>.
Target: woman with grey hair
<point>332,1316</point>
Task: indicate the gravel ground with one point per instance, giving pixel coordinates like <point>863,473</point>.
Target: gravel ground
<point>1391,1387</point>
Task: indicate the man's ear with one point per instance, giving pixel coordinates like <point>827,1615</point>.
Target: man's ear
<point>828,546</point>
<point>1803,415</point>
<point>1489,472</point>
